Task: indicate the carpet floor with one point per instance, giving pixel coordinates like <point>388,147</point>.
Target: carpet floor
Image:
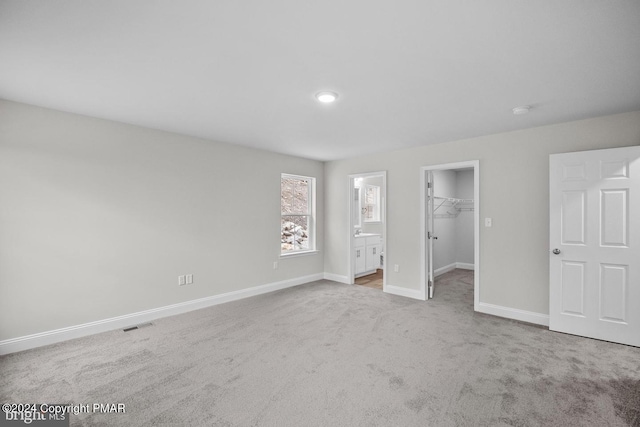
<point>327,354</point>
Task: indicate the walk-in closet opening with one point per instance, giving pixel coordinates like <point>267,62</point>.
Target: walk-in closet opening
<point>450,228</point>
<point>368,232</point>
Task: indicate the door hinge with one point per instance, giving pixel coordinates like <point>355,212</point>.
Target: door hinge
<point>428,185</point>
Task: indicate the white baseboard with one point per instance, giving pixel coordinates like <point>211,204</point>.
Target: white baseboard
<point>336,278</point>
<point>465,266</point>
<point>51,337</point>
<point>513,313</point>
<point>404,292</point>
<point>447,268</point>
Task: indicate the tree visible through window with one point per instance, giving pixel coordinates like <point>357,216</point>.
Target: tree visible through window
<point>371,209</point>
<point>297,213</point>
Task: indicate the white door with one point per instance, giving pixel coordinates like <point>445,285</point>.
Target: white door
<point>595,244</point>
<point>430,235</point>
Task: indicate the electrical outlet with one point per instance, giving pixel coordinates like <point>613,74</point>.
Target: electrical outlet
<point>189,279</point>
<point>275,265</point>
<point>181,281</point>
<point>396,268</point>
<point>488,222</point>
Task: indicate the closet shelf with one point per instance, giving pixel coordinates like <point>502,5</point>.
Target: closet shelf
<point>453,206</point>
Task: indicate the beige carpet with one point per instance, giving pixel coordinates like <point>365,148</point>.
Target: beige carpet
<point>326,354</point>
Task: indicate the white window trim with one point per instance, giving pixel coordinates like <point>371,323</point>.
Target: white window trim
<point>299,253</point>
<point>312,216</point>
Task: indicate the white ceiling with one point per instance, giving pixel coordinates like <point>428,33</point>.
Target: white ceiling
<point>245,72</point>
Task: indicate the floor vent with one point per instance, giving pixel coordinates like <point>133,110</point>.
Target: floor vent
<point>133,328</point>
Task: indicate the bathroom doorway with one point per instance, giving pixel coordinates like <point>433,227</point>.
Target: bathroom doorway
<point>367,229</point>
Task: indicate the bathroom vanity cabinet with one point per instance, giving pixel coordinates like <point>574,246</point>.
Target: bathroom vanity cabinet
<point>367,250</point>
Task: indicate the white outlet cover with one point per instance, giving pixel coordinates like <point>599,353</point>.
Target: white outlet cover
<point>181,280</point>
<point>488,222</point>
<point>189,279</point>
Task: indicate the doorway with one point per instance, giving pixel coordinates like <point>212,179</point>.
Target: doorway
<point>367,229</point>
<point>450,220</point>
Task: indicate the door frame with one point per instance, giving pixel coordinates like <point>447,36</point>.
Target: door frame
<point>383,214</point>
<point>475,164</point>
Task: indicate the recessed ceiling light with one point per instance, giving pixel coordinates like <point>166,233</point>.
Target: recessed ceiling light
<point>326,97</point>
<point>521,110</point>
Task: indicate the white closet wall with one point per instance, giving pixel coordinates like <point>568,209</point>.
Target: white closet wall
<point>455,235</point>
<point>464,221</point>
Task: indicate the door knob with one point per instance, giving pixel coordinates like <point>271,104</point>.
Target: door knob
<point>556,251</point>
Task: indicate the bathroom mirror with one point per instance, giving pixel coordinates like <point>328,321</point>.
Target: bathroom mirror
<point>357,208</point>
<point>371,203</point>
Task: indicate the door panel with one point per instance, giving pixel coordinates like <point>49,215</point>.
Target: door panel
<point>614,169</point>
<point>360,265</point>
<point>573,217</point>
<point>613,292</point>
<point>614,217</point>
<point>370,258</point>
<point>594,265</point>
<point>573,285</point>
<point>574,171</point>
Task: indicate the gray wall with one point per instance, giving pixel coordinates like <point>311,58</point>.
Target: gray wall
<point>464,221</point>
<point>514,191</point>
<point>98,219</point>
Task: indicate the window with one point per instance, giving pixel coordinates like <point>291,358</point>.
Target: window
<point>371,203</point>
<point>297,210</point>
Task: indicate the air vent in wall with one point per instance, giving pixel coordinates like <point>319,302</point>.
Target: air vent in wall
<point>133,328</point>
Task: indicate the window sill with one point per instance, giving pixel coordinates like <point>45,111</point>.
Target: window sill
<point>299,253</point>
